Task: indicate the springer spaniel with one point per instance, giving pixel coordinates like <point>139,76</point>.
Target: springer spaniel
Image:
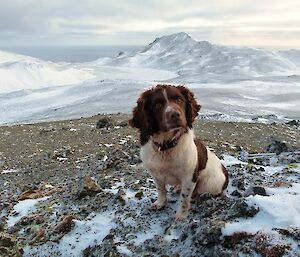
<point>164,117</point>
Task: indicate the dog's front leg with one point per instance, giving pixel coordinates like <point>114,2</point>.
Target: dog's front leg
<point>161,195</point>
<point>187,188</point>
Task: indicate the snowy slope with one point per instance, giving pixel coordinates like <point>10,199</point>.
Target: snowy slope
<point>237,83</point>
<point>293,55</point>
<point>19,72</point>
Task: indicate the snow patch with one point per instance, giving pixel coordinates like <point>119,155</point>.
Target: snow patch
<point>279,210</point>
<point>9,171</point>
<point>229,160</point>
<point>85,234</point>
<point>22,209</point>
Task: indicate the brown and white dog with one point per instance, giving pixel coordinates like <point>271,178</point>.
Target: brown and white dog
<point>164,117</point>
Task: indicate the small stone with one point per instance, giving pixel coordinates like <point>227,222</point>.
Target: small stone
<point>236,193</point>
<point>282,184</point>
<point>65,225</point>
<point>277,147</point>
<point>108,237</point>
<point>293,123</point>
<point>123,123</point>
<point>6,241</point>
<point>257,190</point>
<point>235,238</point>
<point>120,199</point>
<point>244,210</point>
<point>239,184</point>
<point>104,123</point>
<point>88,187</point>
<point>139,195</point>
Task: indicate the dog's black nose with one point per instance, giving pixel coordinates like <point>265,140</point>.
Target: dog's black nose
<point>173,116</point>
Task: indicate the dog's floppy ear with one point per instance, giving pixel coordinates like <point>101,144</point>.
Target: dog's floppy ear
<point>137,114</point>
<point>141,118</point>
<point>192,107</point>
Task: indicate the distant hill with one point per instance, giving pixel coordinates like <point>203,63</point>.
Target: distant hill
<point>23,72</point>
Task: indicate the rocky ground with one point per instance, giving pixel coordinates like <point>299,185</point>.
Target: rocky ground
<point>78,188</point>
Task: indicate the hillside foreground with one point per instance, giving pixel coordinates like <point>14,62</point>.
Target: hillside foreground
<point>69,188</point>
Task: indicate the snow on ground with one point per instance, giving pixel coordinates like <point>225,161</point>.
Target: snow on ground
<point>9,171</point>
<point>22,209</point>
<point>229,160</point>
<point>281,209</point>
<point>84,234</point>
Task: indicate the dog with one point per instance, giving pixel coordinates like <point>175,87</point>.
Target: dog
<point>164,116</point>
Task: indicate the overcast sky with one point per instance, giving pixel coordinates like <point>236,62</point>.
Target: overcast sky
<point>271,23</point>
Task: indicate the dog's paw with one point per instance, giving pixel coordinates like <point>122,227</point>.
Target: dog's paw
<point>177,189</point>
<point>157,206</point>
<point>181,216</point>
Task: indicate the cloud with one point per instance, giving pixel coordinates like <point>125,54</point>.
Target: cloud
<point>115,21</point>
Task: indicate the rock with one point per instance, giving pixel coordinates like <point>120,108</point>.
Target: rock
<point>62,153</point>
<point>65,225</point>
<point>123,123</point>
<point>291,232</point>
<point>46,156</point>
<point>31,194</point>
<point>45,131</point>
<point>282,184</point>
<point>9,246</point>
<point>236,193</point>
<point>240,184</point>
<point>293,123</point>
<point>266,248</point>
<point>34,218</point>
<point>235,238</point>
<point>104,122</point>
<point>88,187</point>
<point>6,241</point>
<point>39,193</point>
<point>120,199</point>
<point>139,195</point>
<point>134,159</point>
<point>277,147</point>
<point>257,190</point>
<point>242,209</point>
<point>253,169</point>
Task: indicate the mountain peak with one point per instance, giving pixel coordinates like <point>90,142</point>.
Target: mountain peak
<point>168,41</point>
<point>177,37</point>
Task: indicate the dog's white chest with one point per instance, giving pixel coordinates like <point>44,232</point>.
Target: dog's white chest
<point>172,165</point>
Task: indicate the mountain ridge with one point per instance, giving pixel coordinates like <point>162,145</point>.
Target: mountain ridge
<point>181,53</point>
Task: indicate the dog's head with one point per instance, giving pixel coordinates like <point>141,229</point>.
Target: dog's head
<point>164,108</point>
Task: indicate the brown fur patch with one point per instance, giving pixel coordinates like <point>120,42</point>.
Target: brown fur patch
<point>202,159</point>
<point>226,177</point>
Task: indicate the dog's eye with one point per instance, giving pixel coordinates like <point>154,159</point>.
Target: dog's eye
<point>178,100</point>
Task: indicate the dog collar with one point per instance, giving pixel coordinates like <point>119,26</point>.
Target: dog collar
<point>168,144</point>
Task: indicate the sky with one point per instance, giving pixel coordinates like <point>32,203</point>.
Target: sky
<point>265,23</point>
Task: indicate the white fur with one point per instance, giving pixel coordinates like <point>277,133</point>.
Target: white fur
<point>171,166</point>
<point>166,96</point>
<point>176,166</point>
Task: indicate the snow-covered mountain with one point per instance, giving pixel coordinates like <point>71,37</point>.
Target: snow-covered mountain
<point>206,61</point>
<point>293,55</point>
<point>19,72</point>
<point>231,82</point>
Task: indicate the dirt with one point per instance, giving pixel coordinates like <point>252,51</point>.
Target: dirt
<point>77,163</point>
